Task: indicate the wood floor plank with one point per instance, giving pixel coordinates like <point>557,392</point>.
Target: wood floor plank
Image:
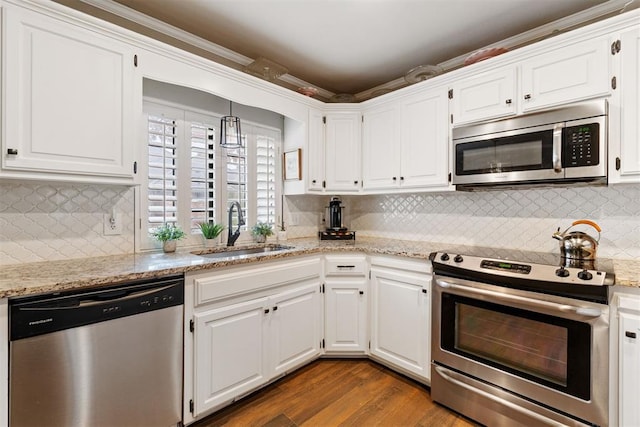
<point>338,392</point>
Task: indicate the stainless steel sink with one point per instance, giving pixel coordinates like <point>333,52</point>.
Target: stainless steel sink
<point>242,252</point>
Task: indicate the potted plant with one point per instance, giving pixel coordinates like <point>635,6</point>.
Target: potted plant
<point>210,230</point>
<point>261,231</point>
<point>168,234</point>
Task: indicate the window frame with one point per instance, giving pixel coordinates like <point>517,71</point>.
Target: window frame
<point>184,116</point>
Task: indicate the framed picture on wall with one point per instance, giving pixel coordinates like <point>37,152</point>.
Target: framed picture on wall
<point>292,165</point>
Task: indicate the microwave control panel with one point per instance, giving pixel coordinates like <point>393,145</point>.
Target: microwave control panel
<point>580,145</point>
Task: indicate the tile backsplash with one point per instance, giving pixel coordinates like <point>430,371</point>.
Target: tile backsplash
<point>45,222</point>
<point>519,219</point>
<point>42,222</point>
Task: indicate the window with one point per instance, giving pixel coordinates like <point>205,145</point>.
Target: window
<point>190,179</point>
<point>266,154</point>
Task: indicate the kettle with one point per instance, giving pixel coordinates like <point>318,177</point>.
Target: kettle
<point>577,244</point>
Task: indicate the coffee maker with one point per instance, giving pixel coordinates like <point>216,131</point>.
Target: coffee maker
<point>335,229</point>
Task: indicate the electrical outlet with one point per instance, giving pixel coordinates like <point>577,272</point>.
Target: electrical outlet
<point>112,228</point>
<point>294,219</point>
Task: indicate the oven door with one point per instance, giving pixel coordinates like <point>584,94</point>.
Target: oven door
<point>546,349</point>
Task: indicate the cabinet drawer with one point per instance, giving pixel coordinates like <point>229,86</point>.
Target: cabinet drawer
<point>345,265</point>
<point>241,281</point>
<point>629,302</point>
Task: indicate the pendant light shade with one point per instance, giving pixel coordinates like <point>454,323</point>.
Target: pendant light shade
<point>230,134</point>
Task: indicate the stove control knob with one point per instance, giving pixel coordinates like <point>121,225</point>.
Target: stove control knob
<point>458,258</point>
<point>562,272</point>
<point>585,275</point>
<point>444,257</point>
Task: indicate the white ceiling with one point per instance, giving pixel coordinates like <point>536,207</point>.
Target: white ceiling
<point>349,46</point>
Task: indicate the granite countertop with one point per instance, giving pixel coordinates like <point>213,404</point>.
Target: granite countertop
<point>33,278</point>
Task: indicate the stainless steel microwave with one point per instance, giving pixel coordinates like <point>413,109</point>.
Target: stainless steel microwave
<point>563,145</point>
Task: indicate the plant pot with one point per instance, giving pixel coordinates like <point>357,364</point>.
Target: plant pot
<point>210,243</point>
<point>169,245</point>
<point>260,238</point>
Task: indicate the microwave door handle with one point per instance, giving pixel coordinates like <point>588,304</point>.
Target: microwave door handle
<point>557,147</point>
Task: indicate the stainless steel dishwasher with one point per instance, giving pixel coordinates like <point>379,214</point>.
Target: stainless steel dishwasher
<point>106,357</point>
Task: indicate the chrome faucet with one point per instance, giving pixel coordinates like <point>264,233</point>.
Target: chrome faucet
<point>232,237</point>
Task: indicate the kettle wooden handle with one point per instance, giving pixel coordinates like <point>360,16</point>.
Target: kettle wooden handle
<point>587,222</point>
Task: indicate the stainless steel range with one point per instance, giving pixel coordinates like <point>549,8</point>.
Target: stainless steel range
<point>520,342</point>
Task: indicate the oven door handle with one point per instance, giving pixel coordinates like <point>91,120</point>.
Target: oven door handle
<point>448,376</point>
<point>590,312</point>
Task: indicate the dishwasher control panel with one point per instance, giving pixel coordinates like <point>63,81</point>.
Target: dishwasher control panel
<point>41,314</point>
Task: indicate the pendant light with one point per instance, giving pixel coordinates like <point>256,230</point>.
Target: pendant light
<point>230,135</point>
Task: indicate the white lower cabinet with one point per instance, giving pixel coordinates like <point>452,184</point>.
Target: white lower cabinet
<point>230,357</point>
<point>629,361</point>
<point>294,328</point>
<point>250,325</point>
<point>345,304</point>
<point>400,314</point>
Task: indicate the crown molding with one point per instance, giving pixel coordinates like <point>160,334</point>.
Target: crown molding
<point>191,39</point>
<point>559,26</point>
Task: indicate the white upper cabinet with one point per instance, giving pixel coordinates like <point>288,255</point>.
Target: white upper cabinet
<point>425,140</point>
<point>485,96</point>
<point>626,166</point>
<point>315,152</point>
<point>67,106</point>
<point>571,73</point>
<point>381,142</point>
<point>405,144</point>
<point>342,159</point>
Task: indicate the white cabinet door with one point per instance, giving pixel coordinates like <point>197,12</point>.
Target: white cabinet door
<point>294,327</point>
<point>629,163</point>
<point>629,342</point>
<point>573,73</point>
<point>315,152</point>
<point>485,96</point>
<point>230,357</point>
<point>425,142</point>
<point>400,313</point>
<point>342,160</point>
<point>381,149</point>
<point>68,106</point>
<point>345,301</point>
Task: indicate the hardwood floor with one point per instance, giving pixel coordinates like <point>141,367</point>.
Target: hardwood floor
<point>328,392</point>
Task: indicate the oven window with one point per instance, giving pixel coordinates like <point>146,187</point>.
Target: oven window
<point>526,345</point>
<point>548,350</point>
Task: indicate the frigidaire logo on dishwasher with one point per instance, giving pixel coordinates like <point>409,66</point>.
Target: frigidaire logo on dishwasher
<point>40,322</point>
